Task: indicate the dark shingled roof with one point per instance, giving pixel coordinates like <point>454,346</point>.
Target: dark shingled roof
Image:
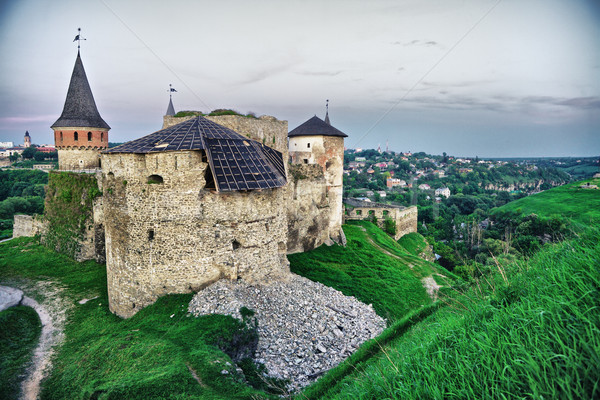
<point>170,108</point>
<point>236,162</point>
<point>80,108</point>
<point>316,126</point>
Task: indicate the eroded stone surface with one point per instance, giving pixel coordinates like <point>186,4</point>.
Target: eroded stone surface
<point>305,328</point>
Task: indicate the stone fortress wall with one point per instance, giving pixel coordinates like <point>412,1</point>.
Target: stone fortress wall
<point>175,236</point>
<point>162,231</point>
<point>27,225</point>
<point>308,209</point>
<point>404,217</point>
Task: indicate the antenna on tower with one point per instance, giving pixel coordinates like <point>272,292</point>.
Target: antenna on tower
<point>79,38</point>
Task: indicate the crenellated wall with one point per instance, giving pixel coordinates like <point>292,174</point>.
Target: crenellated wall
<point>166,233</point>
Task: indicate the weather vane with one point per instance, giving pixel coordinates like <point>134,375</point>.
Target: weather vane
<point>171,89</point>
<point>79,38</point>
<point>327,105</point>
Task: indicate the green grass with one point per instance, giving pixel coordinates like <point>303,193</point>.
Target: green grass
<point>536,335</point>
<point>148,356</point>
<point>413,243</point>
<point>391,282</point>
<point>20,331</point>
<point>582,206</point>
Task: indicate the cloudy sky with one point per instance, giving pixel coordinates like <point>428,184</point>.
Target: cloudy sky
<point>493,78</point>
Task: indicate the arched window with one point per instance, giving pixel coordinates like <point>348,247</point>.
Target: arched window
<point>76,136</point>
<point>155,179</point>
<point>89,136</point>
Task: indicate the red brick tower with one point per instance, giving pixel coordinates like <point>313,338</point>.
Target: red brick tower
<point>80,134</point>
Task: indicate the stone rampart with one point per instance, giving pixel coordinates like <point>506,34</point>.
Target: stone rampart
<point>404,217</point>
<point>307,208</point>
<point>166,233</point>
<point>27,225</point>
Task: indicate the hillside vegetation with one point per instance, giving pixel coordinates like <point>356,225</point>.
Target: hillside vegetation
<point>373,268</point>
<point>581,206</point>
<point>531,330</point>
<point>526,328</point>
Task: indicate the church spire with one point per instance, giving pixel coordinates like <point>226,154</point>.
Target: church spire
<point>327,113</point>
<point>80,108</point>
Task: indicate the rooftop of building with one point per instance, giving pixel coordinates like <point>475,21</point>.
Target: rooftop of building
<point>316,127</point>
<point>236,162</point>
<point>80,108</point>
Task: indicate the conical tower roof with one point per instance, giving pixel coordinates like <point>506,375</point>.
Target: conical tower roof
<point>170,108</point>
<point>80,108</point>
<point>315,127</point>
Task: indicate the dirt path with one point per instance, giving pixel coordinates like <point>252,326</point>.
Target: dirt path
<point>429,283</point>
<point>374,243</point>
<point>51,311</point>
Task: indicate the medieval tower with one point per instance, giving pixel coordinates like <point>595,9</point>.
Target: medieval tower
<point>80,134</point>
<point>317,142</point>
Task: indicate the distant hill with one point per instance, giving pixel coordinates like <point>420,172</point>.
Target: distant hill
<point>580,205</point>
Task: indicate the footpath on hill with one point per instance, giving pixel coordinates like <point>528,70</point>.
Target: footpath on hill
<point>52,316</point>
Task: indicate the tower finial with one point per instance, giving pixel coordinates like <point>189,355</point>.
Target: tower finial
<point>78,39</point>
<point>171,90</point>
<point>327,112</point>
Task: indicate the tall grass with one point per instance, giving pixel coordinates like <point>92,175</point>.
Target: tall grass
<point>534,335</point>
<point>19,332</point>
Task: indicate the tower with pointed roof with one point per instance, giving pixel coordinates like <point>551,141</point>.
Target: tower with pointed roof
<point>80,133</point>
<point>316,141</point>
<point>27,140</point>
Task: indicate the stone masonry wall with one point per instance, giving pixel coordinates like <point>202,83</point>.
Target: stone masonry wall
<point>405,218</point>
<point>78,159</point>
<point>307,208</point>
<point>178,237</point>
<point>406,221</point>
<point>27,225</point>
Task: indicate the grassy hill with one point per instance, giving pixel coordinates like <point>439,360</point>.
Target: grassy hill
<point>582,206</point>
<point>375,269</point>
<point>528,329</point>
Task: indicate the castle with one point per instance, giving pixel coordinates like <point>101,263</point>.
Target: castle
<point>204,198</point>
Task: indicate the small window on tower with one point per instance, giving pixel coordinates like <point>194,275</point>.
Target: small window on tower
<point>76,136</point>
<point>61,137</point>
<point>102,136</point>
<point>308,145</point>
<point>306,161</point>
<point>89,136</point>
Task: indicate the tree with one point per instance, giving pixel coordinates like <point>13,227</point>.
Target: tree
<point>29,153</point>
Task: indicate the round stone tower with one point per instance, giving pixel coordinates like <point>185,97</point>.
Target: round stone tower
<point>317,142</point>
<point>80,134</point>
<point>27,140</point>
